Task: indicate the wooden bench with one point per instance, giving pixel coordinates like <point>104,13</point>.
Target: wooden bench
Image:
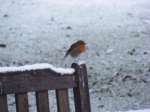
<point>40,81</point>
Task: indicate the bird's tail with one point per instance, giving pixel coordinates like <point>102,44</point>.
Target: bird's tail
<point>63,61</point>
<point>66,55</point>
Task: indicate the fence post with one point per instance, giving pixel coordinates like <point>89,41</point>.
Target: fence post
<point>81,92</point>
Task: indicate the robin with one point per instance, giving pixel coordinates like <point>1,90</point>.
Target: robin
<point>76,49</point>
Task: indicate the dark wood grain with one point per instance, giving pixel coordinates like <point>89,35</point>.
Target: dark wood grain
<point>3,103</point>
<point>62,100</point>
<point>81,92</point>
<point>17,82</point>
<point>42,101</point>
<point>21,102</point>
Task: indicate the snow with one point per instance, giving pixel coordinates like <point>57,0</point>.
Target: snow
<point>38,66</point>
<point>109,51</point>
<point>81,62</point>
<point>144,110</point>
<point>35,31</point>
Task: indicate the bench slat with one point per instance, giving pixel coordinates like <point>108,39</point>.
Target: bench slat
<point>21,102</point>
<point>3,103</point>
<point>42,101</point>
<point>29,81</point>
<point>62,100</point>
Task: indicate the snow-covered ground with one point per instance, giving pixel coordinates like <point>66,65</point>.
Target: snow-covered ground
<point>144,110</point>
<point>117,33</point>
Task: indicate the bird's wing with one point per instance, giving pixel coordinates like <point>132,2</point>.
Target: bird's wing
<point>73,46</point>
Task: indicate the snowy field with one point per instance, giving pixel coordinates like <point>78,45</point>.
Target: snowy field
<point>117,33</point>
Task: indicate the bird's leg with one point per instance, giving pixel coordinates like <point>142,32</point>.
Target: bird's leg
<point>77,59</point>
<point>64,62</point>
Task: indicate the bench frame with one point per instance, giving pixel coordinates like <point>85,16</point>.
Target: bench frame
<point>40,81</point>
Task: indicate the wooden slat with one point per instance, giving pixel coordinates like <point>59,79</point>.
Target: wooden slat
<point>81,92</point>
<point>29,81</point>
<point>3,103</point>
<point>62,100</point>
<point>21,102</point>
<point>42,101</point>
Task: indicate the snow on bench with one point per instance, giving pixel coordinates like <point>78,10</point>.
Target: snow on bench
<point>39,66</point>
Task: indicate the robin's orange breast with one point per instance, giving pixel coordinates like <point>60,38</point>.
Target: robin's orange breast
<point>82,48</point>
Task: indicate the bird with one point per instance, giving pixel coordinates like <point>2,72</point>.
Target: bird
<point>76,49</point>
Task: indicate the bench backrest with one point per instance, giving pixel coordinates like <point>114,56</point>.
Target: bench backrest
<point>40,81</point>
